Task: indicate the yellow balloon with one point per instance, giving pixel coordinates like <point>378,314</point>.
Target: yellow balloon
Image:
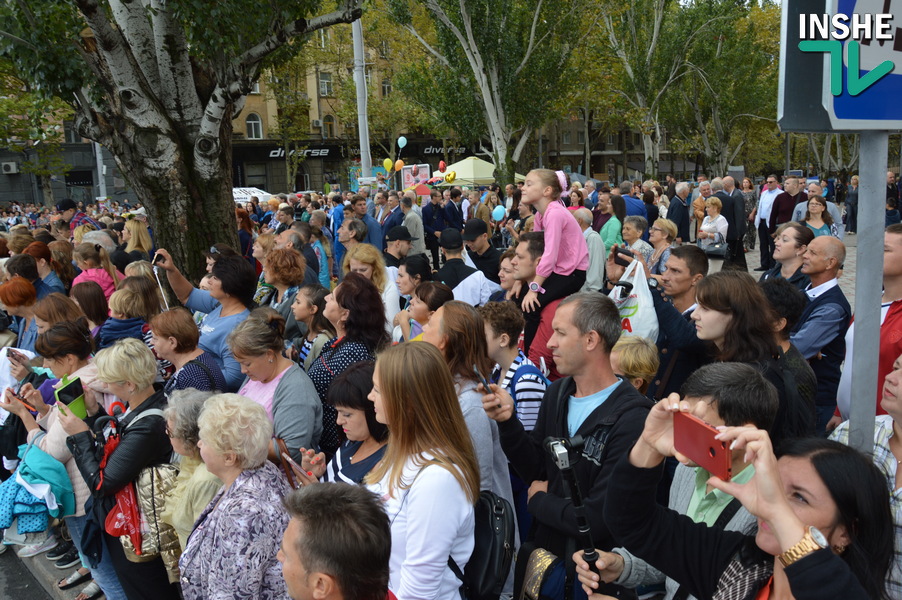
<point>387,164</point>
<point>399,164</point>
<point>450,176</point>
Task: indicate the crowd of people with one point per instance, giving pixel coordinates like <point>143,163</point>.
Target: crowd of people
<point>318,416</point>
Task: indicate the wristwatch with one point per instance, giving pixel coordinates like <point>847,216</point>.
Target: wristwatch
<point>535,287</point>
<point>653,283</point>
<point>812,541</point>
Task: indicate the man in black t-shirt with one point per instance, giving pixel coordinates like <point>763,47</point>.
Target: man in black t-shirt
<point>486,257</point>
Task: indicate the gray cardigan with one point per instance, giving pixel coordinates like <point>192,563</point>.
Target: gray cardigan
<point>297,412</point>
<point>637,572</point>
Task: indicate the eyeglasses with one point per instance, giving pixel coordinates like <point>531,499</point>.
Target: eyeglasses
<point>658,229</point>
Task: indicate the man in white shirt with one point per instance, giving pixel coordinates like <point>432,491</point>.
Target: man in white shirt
<point>760,217</point>
<point>597,252</point>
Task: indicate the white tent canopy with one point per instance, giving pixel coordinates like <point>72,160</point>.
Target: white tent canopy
<point>244,194</point>
<point>473,171</point>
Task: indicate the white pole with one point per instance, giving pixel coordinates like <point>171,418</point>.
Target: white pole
<point>366,161</point>
<point>868,288</point>
<point>101,178</point>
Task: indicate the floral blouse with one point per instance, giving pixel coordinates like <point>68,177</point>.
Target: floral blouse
<point>231,554</point>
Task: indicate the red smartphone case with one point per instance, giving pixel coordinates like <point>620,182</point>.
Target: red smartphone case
<point>694,439</point>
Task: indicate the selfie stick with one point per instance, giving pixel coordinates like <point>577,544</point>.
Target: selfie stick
<point>560,451</point>
<point>156,273</point>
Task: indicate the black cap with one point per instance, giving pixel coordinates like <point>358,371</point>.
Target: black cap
<point>450,239</point>
<point>474,228</point>
<point>399,232</point>
<point>66,204</point>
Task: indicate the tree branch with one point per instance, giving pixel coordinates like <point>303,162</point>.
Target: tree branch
<point>179,92</point>
<point>253,56</point>
<point>532,38</point>
<point>435,53</point>
<point>18,40</point>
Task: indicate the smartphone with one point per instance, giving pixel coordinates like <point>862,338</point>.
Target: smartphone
<point>157,259</point>
<point>21,400</point>
<point>623,262</point>
<point>16,356</point>
<point>73,396</point>
<point>694,439</point>
<point>482,380</point>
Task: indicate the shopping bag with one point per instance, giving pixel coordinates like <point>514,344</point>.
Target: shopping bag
<point>633,300</point>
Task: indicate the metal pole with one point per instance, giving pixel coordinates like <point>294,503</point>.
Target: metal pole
<point>101,178</point>
<point>788,161</point>
<point>868,287</point>
<point>366,161</point>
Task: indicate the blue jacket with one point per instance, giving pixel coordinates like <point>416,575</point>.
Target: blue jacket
<point>373,231</point>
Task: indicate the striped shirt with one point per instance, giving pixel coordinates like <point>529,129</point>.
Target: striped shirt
<point>529,393</point>
<point>886,462</point>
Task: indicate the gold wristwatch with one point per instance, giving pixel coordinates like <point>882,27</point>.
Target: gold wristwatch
<point>812,541</point>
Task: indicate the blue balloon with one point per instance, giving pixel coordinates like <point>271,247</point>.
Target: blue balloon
<point>402,141</point>
<point>498,213</point>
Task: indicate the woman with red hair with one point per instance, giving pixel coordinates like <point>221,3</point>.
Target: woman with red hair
<point>246,236</point>
<point>47,266</point>
<point>18,297</point>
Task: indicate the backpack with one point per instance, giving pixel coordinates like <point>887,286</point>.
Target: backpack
<point>489,565</point>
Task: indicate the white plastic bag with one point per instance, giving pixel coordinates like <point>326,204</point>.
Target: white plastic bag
<point>637,311</point>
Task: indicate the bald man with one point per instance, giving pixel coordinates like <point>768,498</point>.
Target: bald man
<point>821,330</point>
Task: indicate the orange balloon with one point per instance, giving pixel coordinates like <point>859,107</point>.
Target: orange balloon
<point>399,164</point>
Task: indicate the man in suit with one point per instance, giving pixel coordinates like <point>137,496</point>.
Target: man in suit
<point>433,224</point>
<point>453,211</point>
<point>680,212</point>
<point>737,248</point>
<point>392,216</point>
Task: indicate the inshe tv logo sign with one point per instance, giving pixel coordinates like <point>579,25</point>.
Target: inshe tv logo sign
<point>826,33</point>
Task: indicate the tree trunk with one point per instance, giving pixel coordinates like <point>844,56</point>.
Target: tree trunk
<point>188,212</point>
<point>47,190</point>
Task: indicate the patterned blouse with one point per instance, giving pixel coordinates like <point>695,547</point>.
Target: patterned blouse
<point>231,554</point>
<point>338,354</point>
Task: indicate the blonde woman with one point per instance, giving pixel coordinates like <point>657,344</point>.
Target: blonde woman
<point>137,239</point>
<point>429,478</point>
<point>367,260</point>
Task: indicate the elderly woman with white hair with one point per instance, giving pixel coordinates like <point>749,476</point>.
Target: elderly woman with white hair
<point>195,486</point>
<point>232,551</point>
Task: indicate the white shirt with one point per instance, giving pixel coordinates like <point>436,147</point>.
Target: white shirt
<point>430,520</point>
<point>766,204</point>
<point>814,292</point>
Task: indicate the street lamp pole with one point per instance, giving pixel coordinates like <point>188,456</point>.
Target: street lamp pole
<point>366,160</point>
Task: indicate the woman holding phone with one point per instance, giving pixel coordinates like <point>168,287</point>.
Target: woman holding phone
<point>66,348</point>
<point>128,369</point>
<point>824,524</point>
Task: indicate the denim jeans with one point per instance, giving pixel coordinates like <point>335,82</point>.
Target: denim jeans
<point>104,574</point>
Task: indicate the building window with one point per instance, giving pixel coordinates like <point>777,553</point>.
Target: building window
<point>580,137</point>
<point>386,87</point>
<point>70,134</point>
<point>254,127</point>
<point>637,139</point>
<point>323,38</point>
<point>565,136</point>
<point>325,84</point>
<point>256,175</point>
<point>612,139</point>
<point>256,88</point>
<point>383,49</point>
<point>329,126</point>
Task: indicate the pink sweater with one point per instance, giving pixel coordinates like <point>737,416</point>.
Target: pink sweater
<point>101,277</point>
<point>565,247</point>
